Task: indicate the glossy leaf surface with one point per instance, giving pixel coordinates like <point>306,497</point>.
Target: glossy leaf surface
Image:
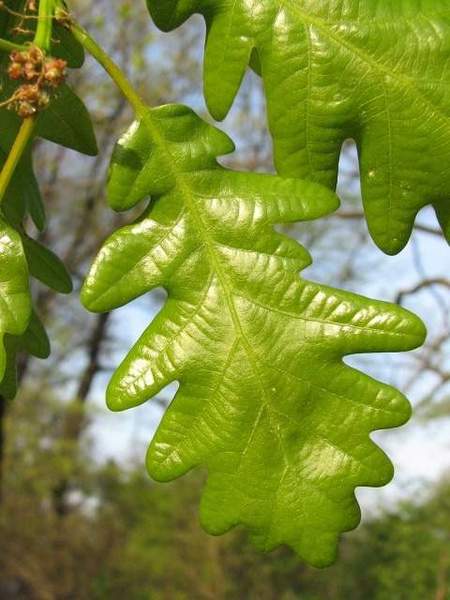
<point>376,71</point>
<point>265,401</point>
<point>15,299</point>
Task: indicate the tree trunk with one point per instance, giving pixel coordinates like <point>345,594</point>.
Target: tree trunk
<point>74,421</point>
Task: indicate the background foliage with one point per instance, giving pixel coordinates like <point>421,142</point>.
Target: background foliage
<point>78,517</point>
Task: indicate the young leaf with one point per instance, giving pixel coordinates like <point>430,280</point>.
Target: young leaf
<point>65,46</point>
<point>33,200</point>
<point>23,193</point>
<point>34,341</point>
<point>67,122</point>
<point>378,72</point>
<point>265,402</point>
<point>45,266</point>
<point>15,299</point>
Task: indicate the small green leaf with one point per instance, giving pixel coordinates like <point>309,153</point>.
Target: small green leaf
<point>15,300</point>
<point>266,402</point>
<point>34,201</point>
<point>47,267</point>
<point>14,203</point>
<point>34,341</point>
<point>23,193</point>
<point>377,72</point>
<point>65,46</point>
<point>66,122</point>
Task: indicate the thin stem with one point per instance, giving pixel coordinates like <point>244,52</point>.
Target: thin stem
<point>110,67</point>
<point>7,46</point>
<point>18,148</point>
<point>43,37</point>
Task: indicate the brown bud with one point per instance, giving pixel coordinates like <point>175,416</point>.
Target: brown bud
<point>44,100</point>
<point>30,72</point>
<point>28,93</point>
<point>35,55</point>
<point>15,70</point>
<point>19,57</point>
<point>54,71</point>
<point>25,109</point>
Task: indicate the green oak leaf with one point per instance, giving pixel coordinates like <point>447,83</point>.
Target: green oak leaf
<point>15,298</point>
<point>265,401</point>
<point>33,341</point>
<point>377,72</point>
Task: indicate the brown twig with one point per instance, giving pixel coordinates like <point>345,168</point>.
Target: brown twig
<point>426,283</point>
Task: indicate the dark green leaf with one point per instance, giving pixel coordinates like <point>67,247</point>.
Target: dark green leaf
<point>34,201</point>
<point>15,300</point>
<point>67,47</point>
<point>34,341</point>
<point>47,267</point>
<point>66,122</point>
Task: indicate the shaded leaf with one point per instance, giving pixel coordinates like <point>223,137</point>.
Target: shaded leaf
<point>265,401</point>
<point>34,341</point>
<point>66,122</point>
<point>45,266</point>
<point>378,72</point>
<point>15,300</point>
<point>65,46</point>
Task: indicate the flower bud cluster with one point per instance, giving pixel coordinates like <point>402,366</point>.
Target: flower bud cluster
<point>40,75</point>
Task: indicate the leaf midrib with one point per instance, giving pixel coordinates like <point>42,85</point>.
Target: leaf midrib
<point>187,195</point>
<point>321,25</point>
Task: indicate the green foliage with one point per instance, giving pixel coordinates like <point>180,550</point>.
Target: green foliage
<point>66,121</point>
<point>374,71</point>
<point>33,341</point>
<point>265,400</point>
<point>15,299</point>
<point>45,266</point>
<point>127,537</point>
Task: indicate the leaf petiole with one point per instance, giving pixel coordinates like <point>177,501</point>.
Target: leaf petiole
<point>7,46</point>
<point>43,36</point>
<point>109,66</point>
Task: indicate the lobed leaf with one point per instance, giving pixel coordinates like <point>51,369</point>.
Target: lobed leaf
<point>377,72</point>
<point>265,401</point>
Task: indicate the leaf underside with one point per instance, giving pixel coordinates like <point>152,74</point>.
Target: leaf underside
<point>377,72</point>
<point>265,401</point>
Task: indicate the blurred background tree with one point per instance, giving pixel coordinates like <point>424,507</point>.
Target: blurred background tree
<point>79,519</point>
